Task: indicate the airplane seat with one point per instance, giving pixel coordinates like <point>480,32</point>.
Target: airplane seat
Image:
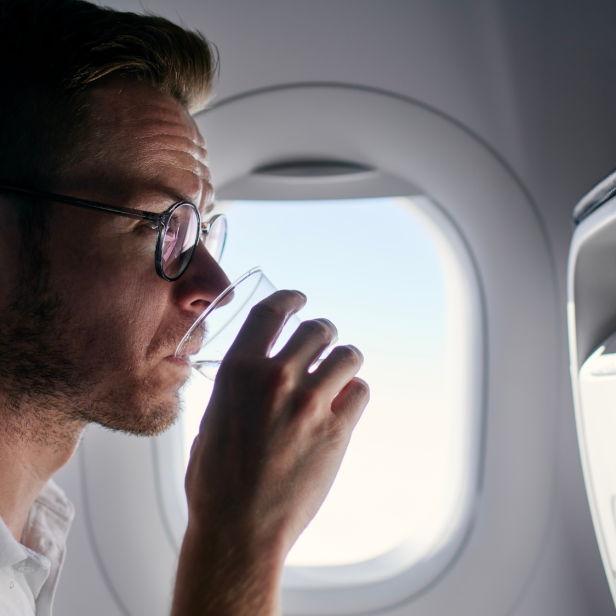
<point>595,197</point>
<point>591,298</point>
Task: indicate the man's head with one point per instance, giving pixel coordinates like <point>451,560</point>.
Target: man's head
<point>97,105</point>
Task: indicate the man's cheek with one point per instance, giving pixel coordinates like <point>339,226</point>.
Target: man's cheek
<point>136,325</point>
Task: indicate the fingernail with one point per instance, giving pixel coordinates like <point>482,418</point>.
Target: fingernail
<point>300,293</point>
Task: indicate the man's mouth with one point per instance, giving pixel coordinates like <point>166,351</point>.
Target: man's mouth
<point>193,344</point>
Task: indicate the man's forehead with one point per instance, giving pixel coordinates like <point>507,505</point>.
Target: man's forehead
<point>121,102</point>
<point>138,134</point>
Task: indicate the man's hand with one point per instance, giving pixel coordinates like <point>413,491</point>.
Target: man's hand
<point>267,453</point>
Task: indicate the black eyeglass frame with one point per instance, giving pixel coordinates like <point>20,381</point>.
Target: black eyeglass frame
<point>159,221</point>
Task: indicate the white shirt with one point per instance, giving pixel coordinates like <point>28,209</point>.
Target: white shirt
<point>29,570</point>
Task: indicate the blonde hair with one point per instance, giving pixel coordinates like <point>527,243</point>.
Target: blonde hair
<point>151,49</point>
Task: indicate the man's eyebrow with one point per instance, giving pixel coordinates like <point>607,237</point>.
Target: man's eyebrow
<point>163,198</point>
<point>209,207</point>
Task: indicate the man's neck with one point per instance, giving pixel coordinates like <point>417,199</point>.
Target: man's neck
<point>32,448</point>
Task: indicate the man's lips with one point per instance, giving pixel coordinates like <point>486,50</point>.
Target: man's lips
<point>191,346</point>
<point>180,361</point>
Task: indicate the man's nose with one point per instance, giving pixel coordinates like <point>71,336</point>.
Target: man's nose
<point>201,283</point>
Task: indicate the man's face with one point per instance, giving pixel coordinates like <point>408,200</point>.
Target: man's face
<point>97,339</point>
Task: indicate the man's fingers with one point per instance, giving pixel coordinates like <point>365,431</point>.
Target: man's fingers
<point>308,342</point>
<point>338,368</point>
<point>265,321</point>
<point>350,403</point>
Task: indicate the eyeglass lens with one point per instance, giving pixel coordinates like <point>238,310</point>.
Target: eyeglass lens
<point>180,240</point>
<point>215,240</point>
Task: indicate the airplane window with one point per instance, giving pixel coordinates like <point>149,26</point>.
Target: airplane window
<point>376,268</point>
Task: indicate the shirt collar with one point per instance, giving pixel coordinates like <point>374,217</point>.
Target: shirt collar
<point>39,557</point>
<point>11,551</point>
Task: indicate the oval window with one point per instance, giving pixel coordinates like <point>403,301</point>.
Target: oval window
<point>385,273</point>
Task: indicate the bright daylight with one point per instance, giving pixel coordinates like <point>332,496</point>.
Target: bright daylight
<point>372,267</point>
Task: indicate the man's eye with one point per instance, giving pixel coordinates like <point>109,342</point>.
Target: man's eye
<point>145,229</point>
<point>172,229</point>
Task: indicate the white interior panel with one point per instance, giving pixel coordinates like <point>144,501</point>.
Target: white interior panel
<point>492,212</point>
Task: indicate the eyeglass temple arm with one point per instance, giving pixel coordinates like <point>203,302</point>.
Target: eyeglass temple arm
<point>91,205</point>
<point>207,225</point>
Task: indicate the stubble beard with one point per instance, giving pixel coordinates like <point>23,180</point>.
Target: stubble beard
<point>45,387</point>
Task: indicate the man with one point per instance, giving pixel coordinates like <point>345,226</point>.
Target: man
<point>96,106</point>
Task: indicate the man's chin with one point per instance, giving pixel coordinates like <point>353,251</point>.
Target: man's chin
<point>150,421</point>
<point>143,409</point>
<point>155,404</point>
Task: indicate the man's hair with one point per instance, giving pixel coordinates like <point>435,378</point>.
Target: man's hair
<point>53,51</point>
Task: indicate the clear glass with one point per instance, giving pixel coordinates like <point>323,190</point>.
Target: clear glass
<point>206,343</point>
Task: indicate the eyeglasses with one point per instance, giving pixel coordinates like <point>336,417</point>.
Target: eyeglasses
<point>179,229</point>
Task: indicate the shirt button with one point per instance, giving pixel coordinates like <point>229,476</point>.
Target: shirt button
<point>26,569</point>
<point>11,584</point>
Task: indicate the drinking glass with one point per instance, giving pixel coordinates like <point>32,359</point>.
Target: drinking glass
<point>206,343</point>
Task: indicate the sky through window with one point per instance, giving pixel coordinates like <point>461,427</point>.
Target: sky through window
<point>371,267</point>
